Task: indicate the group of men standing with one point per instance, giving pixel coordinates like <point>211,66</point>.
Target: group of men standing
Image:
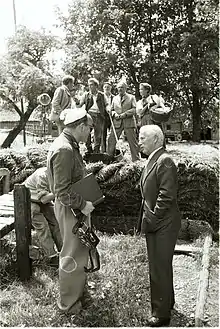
<point>125,112</point>
<point>159,216</point>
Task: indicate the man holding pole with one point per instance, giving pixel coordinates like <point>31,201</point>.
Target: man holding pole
<point>123,109</point>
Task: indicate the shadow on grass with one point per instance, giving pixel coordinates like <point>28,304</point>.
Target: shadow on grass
<point>178,319</point>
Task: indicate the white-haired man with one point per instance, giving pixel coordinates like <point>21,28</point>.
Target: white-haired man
<point>65,167</point>
<point>96,105</point>
<point>122,110</point>
<point>159,220</point>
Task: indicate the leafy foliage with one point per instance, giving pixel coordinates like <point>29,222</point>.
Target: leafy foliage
<point>171,44</point>
<point>24,74</point>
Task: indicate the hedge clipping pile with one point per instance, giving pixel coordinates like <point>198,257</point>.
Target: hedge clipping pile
<point>197,196</point>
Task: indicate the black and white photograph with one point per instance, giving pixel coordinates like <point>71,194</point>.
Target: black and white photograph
<point>109,163</point>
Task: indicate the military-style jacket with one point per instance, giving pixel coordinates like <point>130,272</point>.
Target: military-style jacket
<point>65,167</point>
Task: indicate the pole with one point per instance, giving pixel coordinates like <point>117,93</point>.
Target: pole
<point>15,20</point>
<point>24,131</point>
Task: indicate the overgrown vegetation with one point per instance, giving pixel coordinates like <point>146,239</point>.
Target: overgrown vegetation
<point>197,175</point>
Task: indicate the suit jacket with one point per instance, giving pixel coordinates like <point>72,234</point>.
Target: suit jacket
<point>61,99</point>
<point>126,107</point>
<point>158,186</point>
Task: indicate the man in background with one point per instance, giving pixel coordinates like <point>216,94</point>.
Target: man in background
<point>159,221</point>
<point>96,105</point>
<point>146,103</point>
<point>123,109</point>
<point>107,89</point>
<point>62,99</point>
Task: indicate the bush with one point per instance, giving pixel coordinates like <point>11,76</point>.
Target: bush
<point>197,196</point>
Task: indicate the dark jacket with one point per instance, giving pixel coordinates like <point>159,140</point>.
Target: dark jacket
<point>158,186</point>
<point>101,102</point>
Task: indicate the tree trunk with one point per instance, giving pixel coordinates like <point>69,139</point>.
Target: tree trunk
<point>17,129</point>
<point>196,116</point>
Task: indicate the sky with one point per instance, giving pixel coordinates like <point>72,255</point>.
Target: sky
<point>34,14</point>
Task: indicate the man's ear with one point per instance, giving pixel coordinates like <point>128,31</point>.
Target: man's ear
<point>155,139</point>
<point>81,125</point>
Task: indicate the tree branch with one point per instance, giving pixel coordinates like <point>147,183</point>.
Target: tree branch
<point>9,101</point>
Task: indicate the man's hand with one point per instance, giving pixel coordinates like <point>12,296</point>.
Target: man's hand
<point>88,208</point>
<point>117,116</point>
<point>47,198</point>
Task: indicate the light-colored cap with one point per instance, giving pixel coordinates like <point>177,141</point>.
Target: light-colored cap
<point>72,115</point>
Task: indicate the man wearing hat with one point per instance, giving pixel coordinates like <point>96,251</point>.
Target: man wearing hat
<point>65,167</point>
<point>62,100</point>
<point>146,103</point>
<point>151,109</point>
<point>123,109</point>
<point>96,105</point>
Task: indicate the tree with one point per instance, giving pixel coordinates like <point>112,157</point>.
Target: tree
<point>24,74</point>
<point>193,58</point>
<point>164,42</point>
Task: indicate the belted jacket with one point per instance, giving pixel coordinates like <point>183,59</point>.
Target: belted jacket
<point>65,167</point>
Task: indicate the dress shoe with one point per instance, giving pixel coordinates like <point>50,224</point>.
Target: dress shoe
<point>158,322</point>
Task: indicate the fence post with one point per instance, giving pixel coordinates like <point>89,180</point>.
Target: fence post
<point>5,174</point>
<point>22,212</point>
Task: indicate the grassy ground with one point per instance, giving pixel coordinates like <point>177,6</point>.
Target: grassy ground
<point>117,295</point>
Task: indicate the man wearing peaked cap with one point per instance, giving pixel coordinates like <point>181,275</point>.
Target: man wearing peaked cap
<point>65,167</point>
<point>69,116</point>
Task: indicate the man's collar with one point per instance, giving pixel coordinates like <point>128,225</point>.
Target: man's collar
<point>96,94</point>
<point>71,139</point>
<point>154,152</point>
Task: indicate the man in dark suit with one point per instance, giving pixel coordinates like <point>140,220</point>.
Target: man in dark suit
<point>159,220</point>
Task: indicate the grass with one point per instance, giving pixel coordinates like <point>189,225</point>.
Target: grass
<point>115,296</point>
